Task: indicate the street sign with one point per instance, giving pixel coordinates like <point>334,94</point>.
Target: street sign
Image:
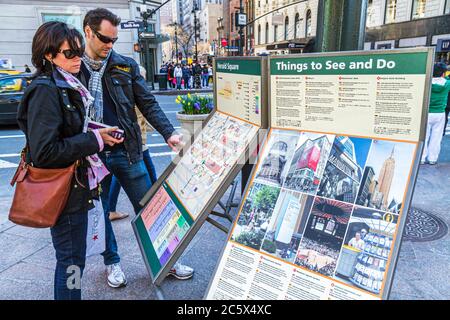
<point>131,25</point>
<point>241,19</point>
<point>232,49</point>
<point>147,35</point>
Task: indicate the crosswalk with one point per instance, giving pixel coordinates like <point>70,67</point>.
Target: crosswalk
<point>11,160</point>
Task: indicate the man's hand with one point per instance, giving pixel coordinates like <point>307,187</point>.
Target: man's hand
<point>175,142</point>
<point>107,138</point>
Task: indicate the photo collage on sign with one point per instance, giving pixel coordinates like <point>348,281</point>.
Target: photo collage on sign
<point>327,203</point>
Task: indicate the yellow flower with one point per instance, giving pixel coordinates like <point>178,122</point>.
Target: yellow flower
<point>189,95</point>
<point>177,101</point>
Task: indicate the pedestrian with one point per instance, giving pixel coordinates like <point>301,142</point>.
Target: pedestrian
<point>204,76</point>
<point>56,138</point>
<point>170,75</point>
<point>115,184</point>
<point>27,69</point>
<point>116,83</point>
<point>178,74</point>
<point>440,88</point>
<point>186,77</point>
<point>210,74</point>
<point>197,72</point>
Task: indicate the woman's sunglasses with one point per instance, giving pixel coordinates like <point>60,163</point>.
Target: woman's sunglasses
<point>71,53</point>
<point>103,38</point>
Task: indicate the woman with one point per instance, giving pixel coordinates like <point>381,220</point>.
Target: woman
<point>178,74</point>
<point>56,137</point>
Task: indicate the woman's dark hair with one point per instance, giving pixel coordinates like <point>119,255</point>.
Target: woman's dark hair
<point>95,17</point>
<point>48,39</point>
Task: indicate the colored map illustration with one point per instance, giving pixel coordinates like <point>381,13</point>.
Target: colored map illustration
<point>208,161</point>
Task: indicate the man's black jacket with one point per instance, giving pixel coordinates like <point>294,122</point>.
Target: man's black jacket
<point>128,89</point>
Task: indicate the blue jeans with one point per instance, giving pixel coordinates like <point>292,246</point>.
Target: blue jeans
<point>205,79</point>
<point>178,82</point>
<point>135,181</point>
<point>69,240</point>
<point>115,185</point>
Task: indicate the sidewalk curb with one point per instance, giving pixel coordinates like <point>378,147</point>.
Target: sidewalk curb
<point>178,92</point>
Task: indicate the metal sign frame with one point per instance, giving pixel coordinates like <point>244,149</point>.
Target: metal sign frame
<point>198,222</point>
<point>388,278</point>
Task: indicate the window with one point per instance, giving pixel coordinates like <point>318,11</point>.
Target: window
<point>370,14</point>
<point>286,28</point>
<point>308,29</point>
<point>275,31</point>
<point>297,26</point>
<point>232,22</point>
<point>391,11</point>
<point>418,10</point>
<point>267,33</point>
<point>70,19</point>
<point>259,34</point>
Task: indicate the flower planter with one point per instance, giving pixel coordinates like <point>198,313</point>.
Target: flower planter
<point>191,123</point>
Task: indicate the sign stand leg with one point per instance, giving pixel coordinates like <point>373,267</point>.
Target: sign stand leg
<point>159,293</point>
<point>226,209</point>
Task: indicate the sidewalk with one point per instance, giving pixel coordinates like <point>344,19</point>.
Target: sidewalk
<point>27,256</point>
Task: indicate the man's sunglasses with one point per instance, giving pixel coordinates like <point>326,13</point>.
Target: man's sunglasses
<point>103,38</point>
<point>71,53</point>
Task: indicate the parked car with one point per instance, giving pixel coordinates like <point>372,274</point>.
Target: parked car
<point>12,88</point>
<point>9,71</point>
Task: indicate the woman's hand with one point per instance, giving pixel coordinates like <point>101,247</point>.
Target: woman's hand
<point>107,138</point>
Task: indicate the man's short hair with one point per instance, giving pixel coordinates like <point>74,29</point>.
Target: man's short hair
<point>95,17</point>
<point>439,69</point>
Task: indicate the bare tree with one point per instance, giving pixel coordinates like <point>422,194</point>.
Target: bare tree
<point>183,39</point>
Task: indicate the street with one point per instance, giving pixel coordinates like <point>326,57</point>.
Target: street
<point>27,255</point>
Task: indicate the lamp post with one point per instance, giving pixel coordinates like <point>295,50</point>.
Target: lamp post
<point>241,31</point>
<point>219,29</point>
<point>176,41</point>
<point>194,11</point>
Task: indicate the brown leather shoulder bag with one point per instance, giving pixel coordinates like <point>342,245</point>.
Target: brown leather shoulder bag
<point>40,195</point>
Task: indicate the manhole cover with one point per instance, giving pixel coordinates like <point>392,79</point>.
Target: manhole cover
<point>423,226</point>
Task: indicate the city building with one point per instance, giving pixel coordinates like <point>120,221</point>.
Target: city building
<point>21,18</point>
<point>342,173</point>
<point>177,11</point>
<point>285,31</point>
<point>274,163</point>
<point>386,176</point>
<point>151,53</point>
<point>309,159</point>
<point>365,193</point>
<point>210,12</point>
<point>408,23</point>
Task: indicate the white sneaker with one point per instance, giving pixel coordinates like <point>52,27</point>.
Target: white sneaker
<point>181,271</point>
<point>116,277</point>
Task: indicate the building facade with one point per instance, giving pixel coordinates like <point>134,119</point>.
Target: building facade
<point>210,12</point>
<point>287,30</point>
<point>407,23</point>
<point>20,20</point>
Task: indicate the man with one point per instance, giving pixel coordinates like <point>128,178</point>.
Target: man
<point>440,88</point>
<point>357,242</point>
<point>117,86</point>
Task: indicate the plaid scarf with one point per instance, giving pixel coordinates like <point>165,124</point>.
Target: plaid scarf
<point>97,170</point>
<point>96,70</point>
